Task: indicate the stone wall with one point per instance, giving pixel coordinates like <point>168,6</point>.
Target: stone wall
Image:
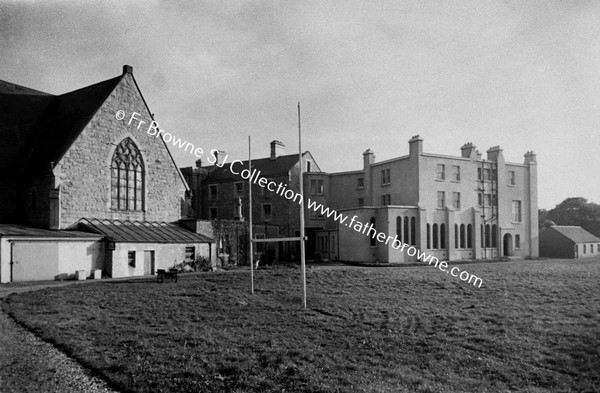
<point>85,175</point>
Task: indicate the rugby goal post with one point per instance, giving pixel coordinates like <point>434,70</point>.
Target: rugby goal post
<point>301,238</point>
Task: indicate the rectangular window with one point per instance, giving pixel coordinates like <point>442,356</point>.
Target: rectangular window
<point>456,200</point>
<point>440,172</point>
<point>360,182</point>
<point>511,178</point>
<point>487,174</point>
<point>238,189</point>
<point>131,258</point>
<point>386,200</point>
<point>316,187</point>
<point>213,191</point>
<point>455,172</point>
<point>385,177</point>
<point>516,211</point>
<point>361,202</point>
<point>190,253</point>
<point>480,199</point>
<point>488,199</point>
<point>266,212</point>
<point>441,199</point>
<point>212,213</point>
<point>314,215</point>
<point>479,174</point>
<point>260,247</point>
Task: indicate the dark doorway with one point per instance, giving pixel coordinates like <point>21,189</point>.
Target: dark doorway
<point>507,245</point>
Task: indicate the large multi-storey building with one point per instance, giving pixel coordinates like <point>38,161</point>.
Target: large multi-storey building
<point>221,193</point>
<point>466,207</point>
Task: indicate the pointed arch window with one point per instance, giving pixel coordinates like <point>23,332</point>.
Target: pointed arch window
<point>127,177</point>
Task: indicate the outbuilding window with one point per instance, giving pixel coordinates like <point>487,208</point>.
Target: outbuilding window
<point>131,258</point>
<point>190,253</point>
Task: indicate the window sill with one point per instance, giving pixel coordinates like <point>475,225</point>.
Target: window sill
<point>440,180</point>
<point>386,184</point>
<point>455,181</point>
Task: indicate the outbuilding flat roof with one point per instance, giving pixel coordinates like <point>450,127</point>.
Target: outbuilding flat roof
<point>15,230</point>
<point>140,231</point>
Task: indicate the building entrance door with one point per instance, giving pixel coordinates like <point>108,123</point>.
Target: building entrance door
<point>507,243</point>
<point>148,262</point>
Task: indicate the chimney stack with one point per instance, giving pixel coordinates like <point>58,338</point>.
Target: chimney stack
<point>530,157</point>
<point>493,153</point>
<point>468,150</point>
<point>368,158</point>
<point>127,69</point>
<point>220,157</point>
<point>415,145</point>
<point>276,149</point>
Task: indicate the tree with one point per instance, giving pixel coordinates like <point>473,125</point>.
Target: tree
<point>574,211</point>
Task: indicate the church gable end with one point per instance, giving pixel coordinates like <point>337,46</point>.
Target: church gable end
<point>115,171</point>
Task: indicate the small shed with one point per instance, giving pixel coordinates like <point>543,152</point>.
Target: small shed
<point>34,254</point>
<point>136,248</point>
<point>574,242</point>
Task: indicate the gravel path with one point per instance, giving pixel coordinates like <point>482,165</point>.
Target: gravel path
<point>28,364</point>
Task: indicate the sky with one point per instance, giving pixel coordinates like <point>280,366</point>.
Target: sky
<point>524,75</point>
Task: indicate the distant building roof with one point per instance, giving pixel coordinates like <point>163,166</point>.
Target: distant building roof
<point>140,231</point>
<point>14,230</point>
<point>575,233</point>
<point>267,167</point>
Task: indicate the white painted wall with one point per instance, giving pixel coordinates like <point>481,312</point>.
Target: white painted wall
<point>35,260</point>
<point>38,260</point>
<point>165,256</point>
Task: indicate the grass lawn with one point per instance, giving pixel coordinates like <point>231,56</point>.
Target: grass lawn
<point>533,326</point>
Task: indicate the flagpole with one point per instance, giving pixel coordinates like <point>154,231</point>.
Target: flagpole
<point>250,217</point>
<point>302,256</point>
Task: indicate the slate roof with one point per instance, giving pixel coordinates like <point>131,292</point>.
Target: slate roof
<point>14,230</point>
<point>42,126</point>
<point>267,167</point>
<point>576,234</point>
<point>140,231</point>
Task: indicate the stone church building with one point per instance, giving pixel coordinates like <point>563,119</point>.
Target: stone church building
<point>83,189</point>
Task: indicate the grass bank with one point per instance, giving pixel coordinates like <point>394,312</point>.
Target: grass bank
<point>532,327</point>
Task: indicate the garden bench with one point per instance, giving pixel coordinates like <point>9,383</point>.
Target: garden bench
<point>162,274</point>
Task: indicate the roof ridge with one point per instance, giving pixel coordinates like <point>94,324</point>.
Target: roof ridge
<point>90,86</point>
<point>25,88</point>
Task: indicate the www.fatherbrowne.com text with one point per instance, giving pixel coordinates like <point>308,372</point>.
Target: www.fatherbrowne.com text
<point>254,176</point>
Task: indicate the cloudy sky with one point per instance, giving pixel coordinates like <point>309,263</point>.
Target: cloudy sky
<point>524,75</point>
